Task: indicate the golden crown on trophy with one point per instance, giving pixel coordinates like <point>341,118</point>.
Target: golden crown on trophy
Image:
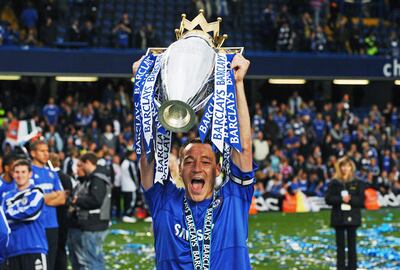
<point>201,28</point>
<point>216,40</point>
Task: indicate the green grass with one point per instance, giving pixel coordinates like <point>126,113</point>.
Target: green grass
<point>277,241</point>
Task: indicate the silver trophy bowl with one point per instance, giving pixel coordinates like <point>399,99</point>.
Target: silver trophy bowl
<point>186,82</point>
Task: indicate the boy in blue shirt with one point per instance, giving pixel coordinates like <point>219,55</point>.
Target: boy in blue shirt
<point>198,227</point>
<point>22,206</point>
<point>49,182</point>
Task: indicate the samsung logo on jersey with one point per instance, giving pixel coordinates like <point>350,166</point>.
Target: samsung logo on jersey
<point>181,232</point>
<point>184,234</point>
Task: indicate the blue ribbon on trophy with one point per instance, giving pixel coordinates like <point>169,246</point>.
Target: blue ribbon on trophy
<point>175,82</point>
<point>140,78</point>
<point>147,103</point>
<point>233,138</point>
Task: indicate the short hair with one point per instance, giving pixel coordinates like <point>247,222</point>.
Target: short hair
<point>8,160</point>
<point>35,144</point>
<point>54,159</point>
<point>23,162</point>
<point>197,140</point>
<point>89,156</point>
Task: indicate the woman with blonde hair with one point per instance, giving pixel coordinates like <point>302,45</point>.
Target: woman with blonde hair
<point>346,196</point>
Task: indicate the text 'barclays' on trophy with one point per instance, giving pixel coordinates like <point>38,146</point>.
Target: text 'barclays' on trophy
<point>172,84</point>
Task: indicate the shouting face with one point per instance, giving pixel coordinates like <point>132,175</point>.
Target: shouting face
<point>198,169</point>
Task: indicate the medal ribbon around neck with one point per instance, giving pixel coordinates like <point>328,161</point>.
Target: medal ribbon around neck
<point>201,260</point>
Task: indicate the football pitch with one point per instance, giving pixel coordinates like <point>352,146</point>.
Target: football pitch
<point>277,241</point>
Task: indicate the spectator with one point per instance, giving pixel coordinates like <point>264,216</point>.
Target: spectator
<point>318,40</point>
<point>149,37</point>
<point>108,138</point>
<point>51,112</point>
<point>294,102</point>
<point>123,32</point>
<point>29,17</point>
<point>88,33</point>
<point>31,38</point>
<point>48,33</point>
<point>261,149</point>
<point>55,139</point>
<point>268,27</point>
<point>221,8</point>
<point>258,121</point>
<point>305,28</point>
<point>74,32</point>
<point>285,38</point>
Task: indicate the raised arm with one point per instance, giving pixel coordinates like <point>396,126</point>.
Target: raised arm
<point>146,166</point>
<point>243,160</point>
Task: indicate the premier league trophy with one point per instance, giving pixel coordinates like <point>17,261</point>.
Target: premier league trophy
<point>172,84</point>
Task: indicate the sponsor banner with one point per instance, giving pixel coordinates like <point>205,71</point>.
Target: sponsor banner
<point>270,203</point>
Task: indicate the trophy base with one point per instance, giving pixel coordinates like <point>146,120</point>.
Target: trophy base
<point>176,116</point>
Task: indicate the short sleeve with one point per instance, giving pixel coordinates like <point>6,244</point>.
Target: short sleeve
<point>57,183</point>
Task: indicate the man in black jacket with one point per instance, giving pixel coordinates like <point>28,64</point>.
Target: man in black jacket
<point>93,202</point>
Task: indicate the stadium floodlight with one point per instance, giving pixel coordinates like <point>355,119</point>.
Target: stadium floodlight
<point>397,82</point>
<point>76,79</point>
<point>287,81</point>
<point>350,82</point>
<point>10,77</point>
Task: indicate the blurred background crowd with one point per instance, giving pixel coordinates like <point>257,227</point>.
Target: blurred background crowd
<point>363,27</point>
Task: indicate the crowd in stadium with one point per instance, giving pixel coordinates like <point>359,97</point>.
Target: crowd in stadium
<point>309,26</point>
<point>296,145</point>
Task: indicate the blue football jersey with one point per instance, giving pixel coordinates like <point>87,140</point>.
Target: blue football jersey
<point>229,235</point>
<point>48,181</point>
<point>4,234</point>
<point>23,210</point>
<point>5,187</point>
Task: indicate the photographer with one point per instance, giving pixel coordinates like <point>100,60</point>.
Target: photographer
<point>93,202</point>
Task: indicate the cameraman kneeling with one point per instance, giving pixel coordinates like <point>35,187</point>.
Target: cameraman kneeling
<point>92,202</point>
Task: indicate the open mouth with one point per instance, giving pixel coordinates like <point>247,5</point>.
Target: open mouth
<point>197,184</point>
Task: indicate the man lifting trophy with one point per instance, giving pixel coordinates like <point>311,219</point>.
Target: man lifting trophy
<point>198,226</point>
